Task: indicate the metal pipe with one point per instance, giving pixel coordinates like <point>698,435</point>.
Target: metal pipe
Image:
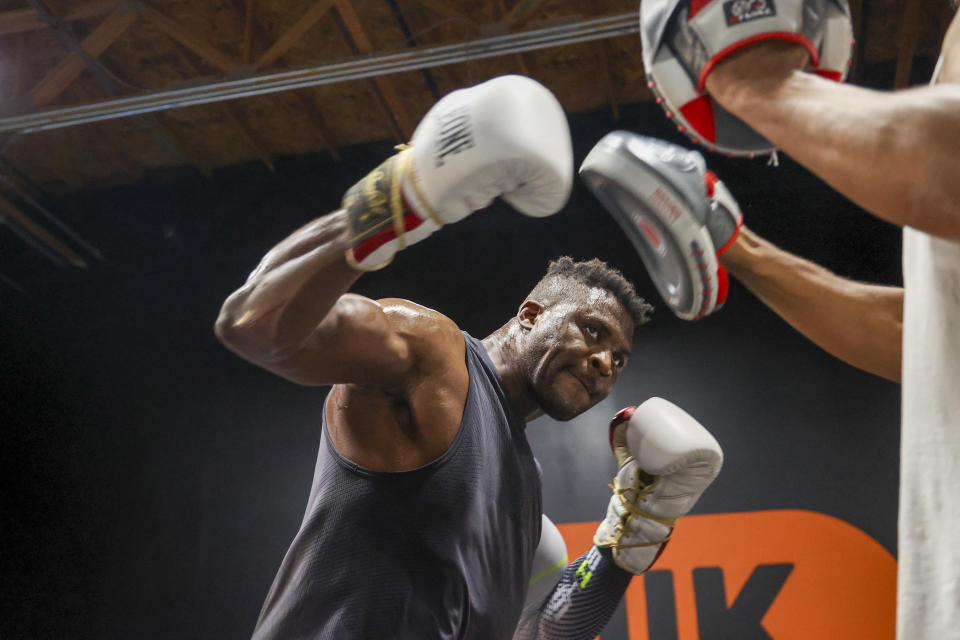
<point>554,35</point>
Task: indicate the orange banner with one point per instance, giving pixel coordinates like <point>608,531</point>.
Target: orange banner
<point>789,574</point>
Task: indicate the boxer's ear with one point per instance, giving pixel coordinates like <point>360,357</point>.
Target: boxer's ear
<point>529,312</point>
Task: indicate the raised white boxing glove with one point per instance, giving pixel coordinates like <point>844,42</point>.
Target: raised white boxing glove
<point>505,137</point>
<point>666,461</point>
<point>678,216</point>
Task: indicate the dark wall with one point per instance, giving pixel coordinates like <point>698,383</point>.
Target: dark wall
<point>152,480</point>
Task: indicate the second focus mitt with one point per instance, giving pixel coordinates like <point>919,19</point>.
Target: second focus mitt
<point>683,40</point>
<point>678,216</point>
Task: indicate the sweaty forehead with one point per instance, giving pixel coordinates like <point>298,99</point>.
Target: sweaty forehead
<point>602,302</point>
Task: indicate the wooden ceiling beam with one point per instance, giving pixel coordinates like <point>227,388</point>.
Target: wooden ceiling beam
<point>233,116</point>
<point>439,7</point>
<point>195,42</point>
<point>907,47</point>
<point>249,17</point>
<point>106,33</point>
<point>293,35</point>
<point>319,125</point>
<point>165,135</point>
<point>395,109</point>
<point>603,59</point>
<point>231,113</point>
<point>522,12</point>
<point>23,20</point>
<point>10,210</point>
<point>16,85</point>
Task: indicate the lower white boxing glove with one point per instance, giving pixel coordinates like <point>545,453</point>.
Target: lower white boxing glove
<point>505,137</point>
<point>666,461</point>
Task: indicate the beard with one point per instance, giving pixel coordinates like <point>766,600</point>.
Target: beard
<point>556,391</point>
<point>556,404</point>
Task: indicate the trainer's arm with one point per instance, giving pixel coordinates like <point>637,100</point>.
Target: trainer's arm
<point>893,153</point>
<point>294,318</point>
<point>859,323</point>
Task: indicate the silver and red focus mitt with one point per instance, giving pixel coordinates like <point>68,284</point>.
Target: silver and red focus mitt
<point>683,40</point>
<point>678,216</point>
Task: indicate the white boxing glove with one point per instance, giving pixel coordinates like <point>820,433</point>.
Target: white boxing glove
<point>666,461</point>
<point>505,137</point>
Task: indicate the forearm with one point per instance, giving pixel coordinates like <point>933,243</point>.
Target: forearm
<point>894,154</point>
<point>288,295</point>
<point>859,323</point>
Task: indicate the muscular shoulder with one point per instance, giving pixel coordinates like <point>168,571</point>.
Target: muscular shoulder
<point>412,420</point>
<point>433,339</point>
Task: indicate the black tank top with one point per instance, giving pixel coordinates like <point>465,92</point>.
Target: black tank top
<point>442,551</point>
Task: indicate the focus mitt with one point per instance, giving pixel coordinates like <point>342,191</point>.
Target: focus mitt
<point>683,40</point>
<point>678,216</point>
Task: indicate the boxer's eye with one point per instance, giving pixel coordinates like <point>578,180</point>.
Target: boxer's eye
<point>592,331</point>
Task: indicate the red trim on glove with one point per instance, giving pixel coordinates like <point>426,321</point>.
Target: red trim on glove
<point>723,284</point>
<point>760,37</point>
<point>836,76</point>
<point>699,113</point>
<point>410,221</point>
<point>711,179</point>
<point>622,416</point>
<point>695,6</point>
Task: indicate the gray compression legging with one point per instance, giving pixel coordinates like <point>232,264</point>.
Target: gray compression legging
<point>570,601</point>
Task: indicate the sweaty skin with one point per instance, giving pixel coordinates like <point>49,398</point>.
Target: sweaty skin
<point>398,369</point>
<point>893,153</point>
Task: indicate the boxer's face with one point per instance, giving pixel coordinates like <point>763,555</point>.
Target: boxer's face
<point>576,350</point>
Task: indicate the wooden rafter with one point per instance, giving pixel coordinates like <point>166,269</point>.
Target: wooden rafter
<point>191,40</point>
<point>522,12</point>
<point>106,33</point>
<point>231,114</point>
<point>10,210</point>
<point>907,48</point>
<point>249,137</point>
<point>442,8</point>
<point>384,85</point>
<point>166,136</point>
<point>603,61</point>
<point>23,20</point>
<point>17,84</point>
<point>520,58</point>
<point>249,18</point>
<point>293,35</point>
<point>318,123</point>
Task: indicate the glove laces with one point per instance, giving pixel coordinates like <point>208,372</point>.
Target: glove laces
<point>630,497</point>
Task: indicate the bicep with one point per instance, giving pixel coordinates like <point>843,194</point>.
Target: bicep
<point>372,343</point>
<point>357,342</point>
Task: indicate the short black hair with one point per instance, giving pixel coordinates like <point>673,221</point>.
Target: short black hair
<point>593,273</point>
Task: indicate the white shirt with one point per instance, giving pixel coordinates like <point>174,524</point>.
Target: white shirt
<point>928,582</point>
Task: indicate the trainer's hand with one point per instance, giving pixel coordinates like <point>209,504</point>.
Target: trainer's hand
<point>685,42</point>
<point>755,71</point>
<point>667,460</point>
<point>506,137</point>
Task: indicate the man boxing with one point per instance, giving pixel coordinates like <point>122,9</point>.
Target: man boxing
<point>424,517</point>
<point>767,65</point>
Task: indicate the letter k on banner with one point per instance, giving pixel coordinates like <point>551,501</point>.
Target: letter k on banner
<point>785,575</point>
